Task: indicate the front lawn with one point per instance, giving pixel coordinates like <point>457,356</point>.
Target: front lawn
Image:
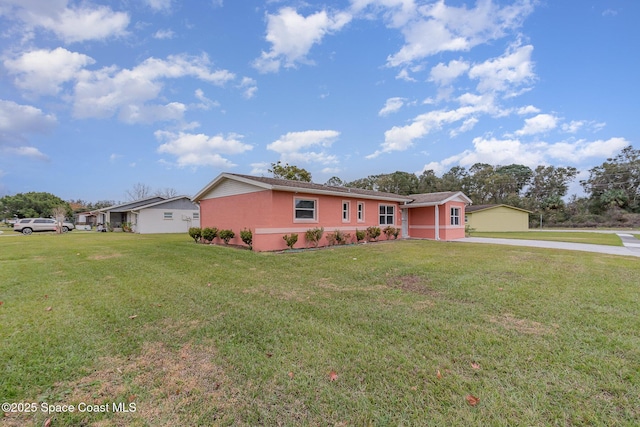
<point>609,239</point>
<point>397,333</point>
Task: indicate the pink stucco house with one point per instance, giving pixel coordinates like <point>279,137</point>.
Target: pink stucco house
<point>272,207</point>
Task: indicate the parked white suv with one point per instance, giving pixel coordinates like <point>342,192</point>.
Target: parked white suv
<point>29,225</point>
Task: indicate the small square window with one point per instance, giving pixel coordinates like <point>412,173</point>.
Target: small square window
<point>168,215</point>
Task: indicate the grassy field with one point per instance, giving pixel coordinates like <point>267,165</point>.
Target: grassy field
<point>609,239</point>
<point>386,334</point>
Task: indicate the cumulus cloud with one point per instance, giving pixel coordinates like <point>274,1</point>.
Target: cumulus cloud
<point>293,35</point>
<point>17,121</point>
<point>583,149</point>
<point>200,149</point>
<point>391,106</point>
<point>159,5</point>
<point>69,23</point>
<point>512,150</point>
<point>400,138</point>
<point>108,91</point>
<point>505,73</point>
<point>163,34</point>
<point>444,74</point>
<point>44,71</point>
<point>435,27</point>
<point>294,147</point>
<point>539,124</point>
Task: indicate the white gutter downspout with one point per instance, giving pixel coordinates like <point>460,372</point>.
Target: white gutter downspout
<point>437,221</point>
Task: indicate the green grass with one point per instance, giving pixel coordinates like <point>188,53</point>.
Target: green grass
<point>542,337</point>
<point>609,239</point>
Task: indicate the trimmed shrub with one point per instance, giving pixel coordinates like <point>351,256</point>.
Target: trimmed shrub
<point>338,238</point>
<point>247,237</point>
<point>290,240</point>
<point>373,233</point>
<point>226,235</point>
<point>360,235</point>
<point>195,233</point>
<point>209,233</point>
<point>314,235</point>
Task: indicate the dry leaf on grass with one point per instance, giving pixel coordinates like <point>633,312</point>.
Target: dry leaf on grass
<point>333,376</point>
<point>472,400</point>
<point>48,308</point>
<point>47,423</point>
<point>133,317</point>
<point>438,374</point>
<point>291,375</point>
<point>475,365</point>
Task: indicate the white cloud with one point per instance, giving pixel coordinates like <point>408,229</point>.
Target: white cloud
<point>293,147</point>
<point>538,124</point>
<point>436,27</point>
<point>200,149</point>
<point>400,138</point>
<point>44,71</point>
<point>249,86</point>
<point>159,5</point>
<point>296,141</point>
<point>391,106</point>
<point>261,168</point>
<point>292,36</point>
<point>582,149</point>
<point>513,69</point>
<point>529,109</point>
<point>104,92</point>
<point>30,152</point>
<point>69,23</point>
<point>17,121</point>
<point>512,150</point>
<point>444,74</point>
<point>164,34</point>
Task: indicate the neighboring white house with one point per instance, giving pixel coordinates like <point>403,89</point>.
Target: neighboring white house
<point>153,215</point>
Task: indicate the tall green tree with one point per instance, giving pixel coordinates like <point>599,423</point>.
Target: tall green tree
<point>288,171</point>
<point>549,184</point>
<point>616,182</point>
<point>32,204</point>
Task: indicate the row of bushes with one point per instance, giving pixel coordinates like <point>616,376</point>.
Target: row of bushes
<point>209,234</point>
<point>312,236</point>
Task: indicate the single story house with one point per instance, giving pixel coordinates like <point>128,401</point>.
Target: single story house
<point>84,220</point>
<point>272,208</point>
<point>152,215</point>
<point>497,218</point>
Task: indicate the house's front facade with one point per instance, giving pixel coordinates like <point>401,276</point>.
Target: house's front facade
<point>497,218</point>
<point>152,215</point>
<point>272,208</point>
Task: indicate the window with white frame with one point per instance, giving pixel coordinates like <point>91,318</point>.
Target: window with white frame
<point>387,214</point>
<point>455,216</point>
<point>345,211</point>
<point>360,211</point>
<point>305,209</point>
<point>168,215</point>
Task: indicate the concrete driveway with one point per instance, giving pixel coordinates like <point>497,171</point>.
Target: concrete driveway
<point>631,245</point>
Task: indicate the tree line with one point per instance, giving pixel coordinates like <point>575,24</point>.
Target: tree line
<point>612,190</point>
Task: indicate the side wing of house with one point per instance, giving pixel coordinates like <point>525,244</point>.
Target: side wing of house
<point>172,216</point>
<point>437,216</point>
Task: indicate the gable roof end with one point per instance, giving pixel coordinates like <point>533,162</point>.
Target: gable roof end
<point>277,184</point>
<point>434,199</point>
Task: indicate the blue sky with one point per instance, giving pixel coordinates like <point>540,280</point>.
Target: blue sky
<point>96,96</point>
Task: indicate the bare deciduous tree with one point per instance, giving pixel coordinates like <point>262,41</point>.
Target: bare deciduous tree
<point>59,213</point>
<point>167,192</point>
<point>138,191</point>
